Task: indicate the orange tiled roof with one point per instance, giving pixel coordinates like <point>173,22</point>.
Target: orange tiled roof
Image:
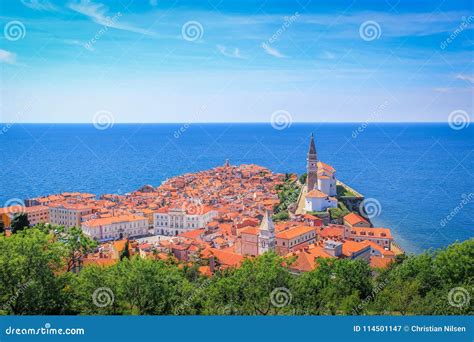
<point>372,232</point>
<point>306,258</point>
<point>316,194</point>
<point>353,218</point>
<point>113,219</point>
<point>225,258</point>
<point>350,247</point>
<point>193,234</point>
<point>249,230</point>
<point>326,167</point>
<point>294,232</point>
<point>380,262</point>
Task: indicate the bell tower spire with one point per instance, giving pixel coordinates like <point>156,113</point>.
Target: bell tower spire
<point>312,166</point>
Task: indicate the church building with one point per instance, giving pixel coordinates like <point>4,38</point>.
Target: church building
<point>320,182</point>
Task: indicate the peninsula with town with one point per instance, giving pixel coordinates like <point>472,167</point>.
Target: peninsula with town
<point>223,215</point>
<point>232,240</point>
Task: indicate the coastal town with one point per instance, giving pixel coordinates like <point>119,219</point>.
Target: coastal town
<point>221,216</point>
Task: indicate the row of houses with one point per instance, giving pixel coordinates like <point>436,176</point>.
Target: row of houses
<point>107,225</point>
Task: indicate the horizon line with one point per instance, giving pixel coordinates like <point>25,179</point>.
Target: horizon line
<point>228,122</point>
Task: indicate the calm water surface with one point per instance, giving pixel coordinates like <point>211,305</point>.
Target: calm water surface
<point>418,172</point>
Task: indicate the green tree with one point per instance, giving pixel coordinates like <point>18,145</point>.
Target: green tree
<point>77,245</point>
<point>151,287</point>
<point>303,178</point>
<point>125,253</point>
<point>252,289</point>
<point>95,291</point>
<point>19,222</point>
<point>30,274</point>
<point>455,264</point>
<point>334,287</point>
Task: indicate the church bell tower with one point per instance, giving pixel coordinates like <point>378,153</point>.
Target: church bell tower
<point>312,166</point>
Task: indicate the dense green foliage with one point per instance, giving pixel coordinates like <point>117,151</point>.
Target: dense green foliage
<point>19,222</point>
<point>303,178</point>
<point>125,253</point>
<point>339,212</point>
<point>36,277</point>
<point>343,192</point>
<point>281,216</point>
<point>288,193</point>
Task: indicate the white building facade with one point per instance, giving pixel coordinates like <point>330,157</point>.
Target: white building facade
<point>172,222</point>
<point>68,215</point>
<point>116,227</point>
<point>318,201</point>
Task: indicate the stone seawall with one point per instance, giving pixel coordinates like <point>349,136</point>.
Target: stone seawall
<point>353,203</point>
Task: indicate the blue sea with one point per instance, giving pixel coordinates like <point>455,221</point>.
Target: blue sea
<point>421,174</point>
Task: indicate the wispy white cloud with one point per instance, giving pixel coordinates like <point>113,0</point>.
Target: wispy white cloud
<point>272,51</point>
<point>7,57</point>
<point>235,53</point>
<point>469,78</point>
<point>39,5</point>
<point>98,13</point>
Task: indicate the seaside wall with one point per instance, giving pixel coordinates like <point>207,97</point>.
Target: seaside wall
<point>353,203</point>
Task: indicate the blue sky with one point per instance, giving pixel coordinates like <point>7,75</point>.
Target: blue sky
<point>248,59</point>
